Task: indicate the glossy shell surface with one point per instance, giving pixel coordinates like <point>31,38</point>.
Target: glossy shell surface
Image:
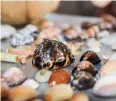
<point>59,77</point>
<point>82,81</point>
<point>85,66</point>
<point>90,56</point>
<point>51,54</point>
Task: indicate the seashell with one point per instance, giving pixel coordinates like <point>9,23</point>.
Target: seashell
<point>52,55</point>
<point>31,82</point>
<point>22,93</point>
<point>105,86</point>
<point>61,92</point>
<point>14,76</point>
<point>28,30</point>
<point>85,66</point>
<point>7,31</point>
<point>90,56</point>
<point>79,97</point>
<point>108,68</point>
<point>82,81</point>
<point>24,36</point>
<point>43,75</point>
<point>19,39</point>
<point>59,77</point>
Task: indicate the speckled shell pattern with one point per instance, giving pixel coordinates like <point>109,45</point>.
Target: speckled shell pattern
<point>51,54</point>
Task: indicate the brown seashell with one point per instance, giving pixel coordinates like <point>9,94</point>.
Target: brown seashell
<point>90,56</point>
<point>85,66</point>
<point>82,81</point>
<point>59,77</point>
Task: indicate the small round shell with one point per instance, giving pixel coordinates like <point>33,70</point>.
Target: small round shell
<point>14,76</point>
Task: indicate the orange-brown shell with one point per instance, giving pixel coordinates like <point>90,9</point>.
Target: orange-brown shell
<point>59,77</point>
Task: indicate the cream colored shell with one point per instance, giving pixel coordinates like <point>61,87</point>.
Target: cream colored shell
<point>61,92</point>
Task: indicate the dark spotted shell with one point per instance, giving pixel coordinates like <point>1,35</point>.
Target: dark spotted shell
<point>85,66</point>
<point>82,81</point>
<point>51,54</point>
<point>90,56</point>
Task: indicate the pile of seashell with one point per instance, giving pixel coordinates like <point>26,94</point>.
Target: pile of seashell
<point>52,49</point>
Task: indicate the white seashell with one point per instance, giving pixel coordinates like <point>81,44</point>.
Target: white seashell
<point>32,83</point>
<point>43,75</point>
<point>21,40</point>
<point>28,30</point>
<point>14,76</point>
<point>105,86</point>
<point>7,31</point>
<point>24,36</point>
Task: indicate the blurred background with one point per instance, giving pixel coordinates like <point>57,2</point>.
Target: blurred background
<point>87,8</point>
<point>23,12</point>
